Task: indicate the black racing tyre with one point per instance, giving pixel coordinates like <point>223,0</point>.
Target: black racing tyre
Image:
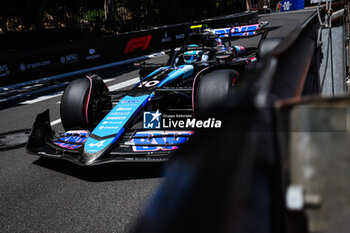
<point>212,88</point>
<point>84,103</point>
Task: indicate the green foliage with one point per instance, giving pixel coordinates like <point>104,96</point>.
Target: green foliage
<point>128,14</point>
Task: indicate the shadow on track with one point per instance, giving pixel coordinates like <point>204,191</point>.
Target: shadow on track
<point>105,172</point>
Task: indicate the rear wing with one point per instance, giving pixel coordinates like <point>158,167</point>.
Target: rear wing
<point>242,31</point>
<point>229,33</point>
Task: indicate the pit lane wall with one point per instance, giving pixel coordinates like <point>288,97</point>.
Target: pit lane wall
<point>31,64</point>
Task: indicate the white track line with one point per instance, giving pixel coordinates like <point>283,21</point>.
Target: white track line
<point>55,122</point>
<point>41,98</point>
<point>46,97</point>
<point>108,80</point>
<point>124,84</point>
<point>111,88</point>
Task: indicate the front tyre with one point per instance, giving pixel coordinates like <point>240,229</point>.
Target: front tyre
<point>84,103</point>
<point>212,88</point>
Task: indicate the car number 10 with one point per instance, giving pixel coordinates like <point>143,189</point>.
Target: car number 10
<point>148,83</point>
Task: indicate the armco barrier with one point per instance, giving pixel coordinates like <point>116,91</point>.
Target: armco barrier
<point>26,65</point>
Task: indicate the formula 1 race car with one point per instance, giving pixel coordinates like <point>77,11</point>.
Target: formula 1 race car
<point>126,125</point>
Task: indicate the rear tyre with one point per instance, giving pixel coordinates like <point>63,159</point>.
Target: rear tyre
<point>84,103</point>
<point>213,88</point>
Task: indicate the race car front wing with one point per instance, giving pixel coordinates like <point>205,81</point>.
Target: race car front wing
<point>134,146</point>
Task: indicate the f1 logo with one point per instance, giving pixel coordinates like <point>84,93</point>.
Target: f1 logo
<point>139,42</point>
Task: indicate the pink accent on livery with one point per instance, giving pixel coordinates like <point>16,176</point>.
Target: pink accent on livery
<point>239,49</point>
<point>247,33</point>
<point>70,137</point>
<point>152,142</point>
<point>239,29</point>
<point>253,59</point>
<point>68,146</point>
<point>234,79</point>
<point>76,132</point>
<point>87,101</point>
<point>166,132</point>
<point>158,148</point>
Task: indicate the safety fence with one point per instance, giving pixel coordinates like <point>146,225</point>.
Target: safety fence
<point>26,24</point>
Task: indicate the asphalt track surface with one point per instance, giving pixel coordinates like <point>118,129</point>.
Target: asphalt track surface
<point>43,195</point>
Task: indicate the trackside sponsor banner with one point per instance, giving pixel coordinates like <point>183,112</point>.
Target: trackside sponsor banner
<point>92,55</point>
<point>23,67</point>
<point>69,58</point>
<point>291,5</point>
<point>4,70</point>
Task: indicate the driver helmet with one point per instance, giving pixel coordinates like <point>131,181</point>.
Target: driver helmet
<point>219,44</point>
<point>192,56</point>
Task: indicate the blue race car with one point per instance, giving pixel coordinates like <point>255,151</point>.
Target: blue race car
<point>103,126</point>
